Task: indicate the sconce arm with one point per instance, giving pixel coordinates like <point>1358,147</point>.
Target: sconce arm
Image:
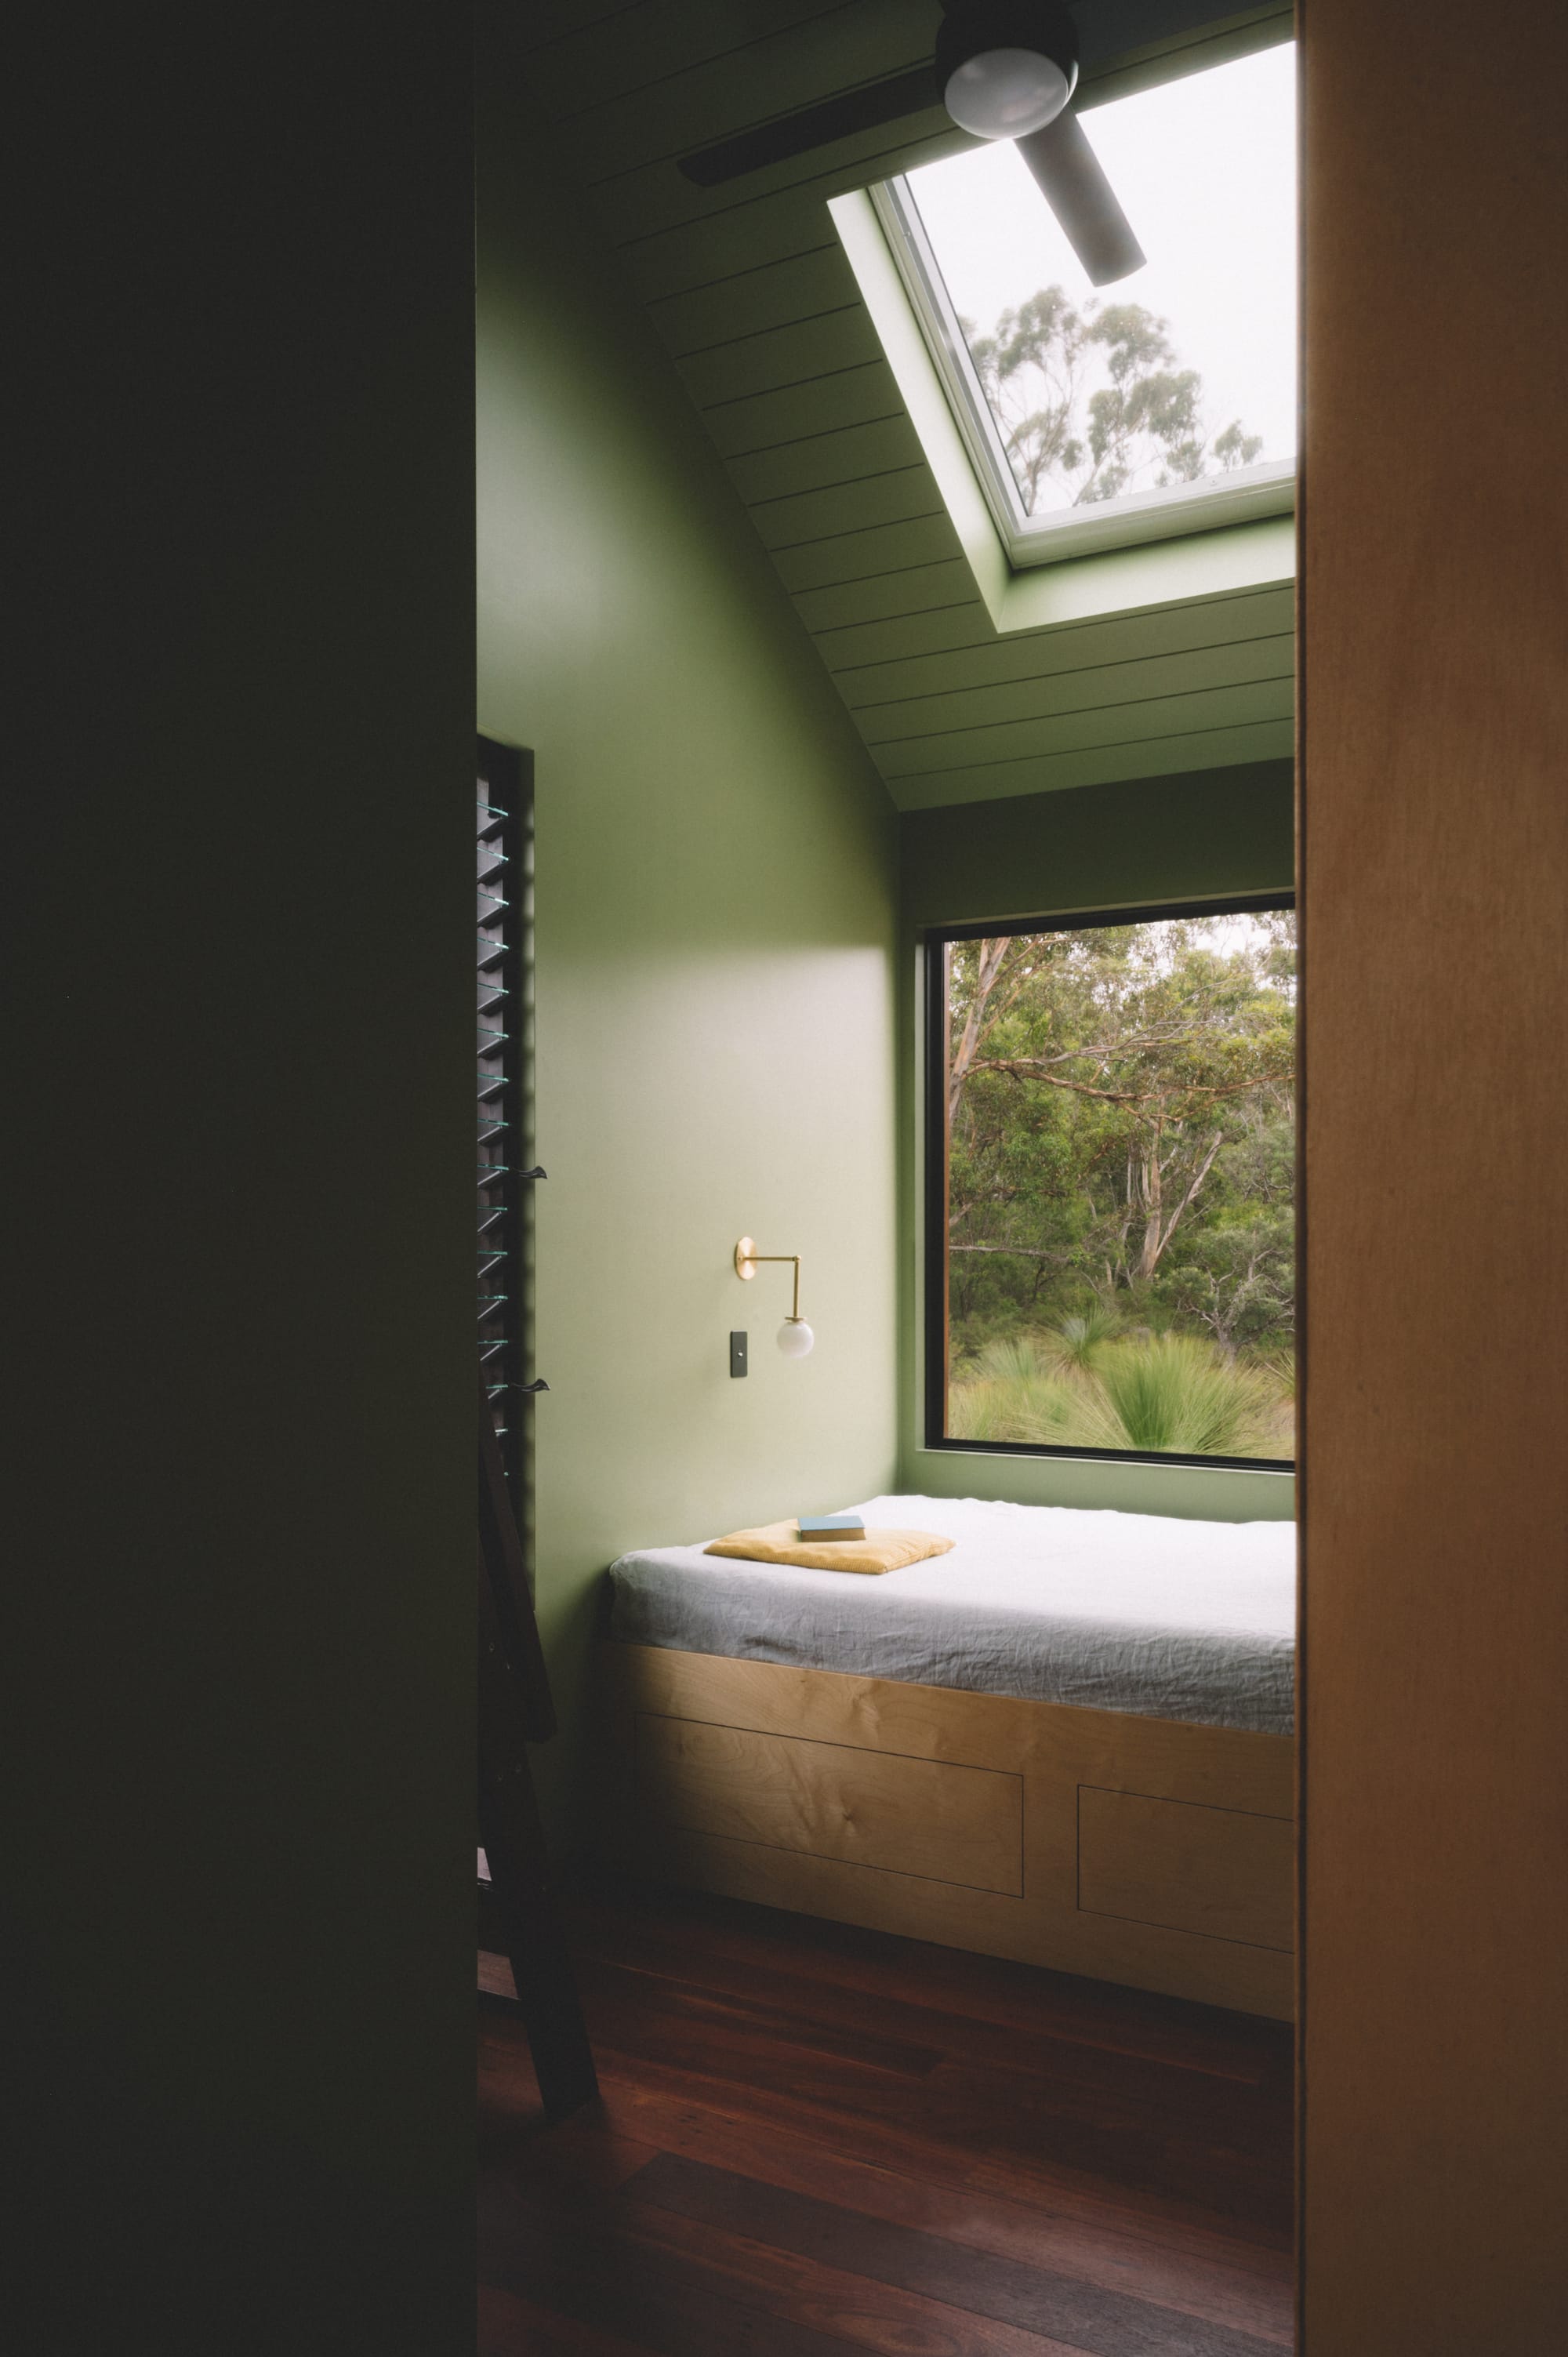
<point>748,1260</point>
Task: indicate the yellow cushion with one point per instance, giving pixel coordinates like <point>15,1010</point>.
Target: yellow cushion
<point>877,1550</point>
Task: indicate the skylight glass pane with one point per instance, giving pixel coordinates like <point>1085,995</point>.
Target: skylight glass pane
<point>1183,374</point>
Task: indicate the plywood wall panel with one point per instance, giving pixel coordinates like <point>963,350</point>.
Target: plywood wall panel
<point>1435,1276</point>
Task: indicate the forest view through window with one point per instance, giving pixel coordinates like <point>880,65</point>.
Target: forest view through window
<point>1115,1128</point>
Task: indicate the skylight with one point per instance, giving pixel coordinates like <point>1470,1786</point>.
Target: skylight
<point>1165,402</point>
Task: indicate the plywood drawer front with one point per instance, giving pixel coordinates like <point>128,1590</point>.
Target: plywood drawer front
<point>1219,1871</point>
<point>881,1809</point>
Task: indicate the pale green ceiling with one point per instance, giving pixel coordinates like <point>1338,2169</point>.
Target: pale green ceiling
<point>749,290</point>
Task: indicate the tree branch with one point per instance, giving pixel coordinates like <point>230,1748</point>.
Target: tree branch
<point>1016,1251</point>
<point>1203,1171</point>
<point>1022,1067</point>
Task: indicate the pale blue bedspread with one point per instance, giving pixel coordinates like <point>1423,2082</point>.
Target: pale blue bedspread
<point>1138,1612</point>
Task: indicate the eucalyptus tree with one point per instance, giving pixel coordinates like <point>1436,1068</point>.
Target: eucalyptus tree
<point>1119,1105</point>
<point>1091,400</point>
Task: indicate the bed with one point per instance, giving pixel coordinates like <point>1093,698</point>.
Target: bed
<point>1067,1740</point>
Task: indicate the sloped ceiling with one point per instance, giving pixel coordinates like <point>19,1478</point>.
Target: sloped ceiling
<point>748,288</point>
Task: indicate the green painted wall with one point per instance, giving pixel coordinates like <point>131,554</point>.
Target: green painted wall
<point>1216,833</point>
<point>715,925</point>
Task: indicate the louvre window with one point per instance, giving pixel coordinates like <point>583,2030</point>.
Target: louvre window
<point>505,846</point>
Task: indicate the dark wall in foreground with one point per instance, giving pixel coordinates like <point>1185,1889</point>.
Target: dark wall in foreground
<point>238,1114</point>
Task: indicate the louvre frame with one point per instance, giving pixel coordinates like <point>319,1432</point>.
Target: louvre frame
<point>504,895</point>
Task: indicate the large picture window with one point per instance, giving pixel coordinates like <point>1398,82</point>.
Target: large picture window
<point>1110,1185</point>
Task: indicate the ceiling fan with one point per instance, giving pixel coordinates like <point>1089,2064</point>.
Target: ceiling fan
<point>1003,70</point>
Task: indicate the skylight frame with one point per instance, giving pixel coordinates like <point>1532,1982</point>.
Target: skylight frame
<point>1245,495</point>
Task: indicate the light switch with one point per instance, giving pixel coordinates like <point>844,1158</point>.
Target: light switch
<point>737,1354</point>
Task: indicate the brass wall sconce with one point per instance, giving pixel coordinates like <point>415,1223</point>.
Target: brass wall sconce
<point>795,1336</point>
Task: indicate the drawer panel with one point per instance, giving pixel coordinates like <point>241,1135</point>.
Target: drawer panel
<point>924,1817</point>
<point>1219,1871</point>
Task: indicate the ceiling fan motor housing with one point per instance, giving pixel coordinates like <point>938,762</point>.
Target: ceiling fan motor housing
<point>1005,68</point>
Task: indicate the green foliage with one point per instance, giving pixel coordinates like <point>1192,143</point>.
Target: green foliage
<point>1174,1393</point>
<point>1080,1338</point>
<point>1142,425</point>
<point>1010,1391</point>
<point>1017,1359</point>
<point>1279,1363</point>
<point>1237,1276</point>
<point>1121,1168</point>
<point>1236,448</point>
<point>1168,1394</point>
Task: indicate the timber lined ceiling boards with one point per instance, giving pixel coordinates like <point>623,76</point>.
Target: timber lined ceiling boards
<point>748,288</point>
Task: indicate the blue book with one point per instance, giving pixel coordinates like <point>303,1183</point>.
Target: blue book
<point>817,1527</point>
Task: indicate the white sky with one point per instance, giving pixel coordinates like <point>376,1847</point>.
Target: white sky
<point>1205,168</point>
<point>1235,931</point>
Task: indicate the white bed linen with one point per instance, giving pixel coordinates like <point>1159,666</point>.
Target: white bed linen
<point>1135,1612</point>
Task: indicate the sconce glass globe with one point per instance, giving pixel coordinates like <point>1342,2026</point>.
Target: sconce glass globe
<point>795,1338</point>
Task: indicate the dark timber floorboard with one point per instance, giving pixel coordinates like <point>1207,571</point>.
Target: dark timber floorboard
<point>813,2141</point>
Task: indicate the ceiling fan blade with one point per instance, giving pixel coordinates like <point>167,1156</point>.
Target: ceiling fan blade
<point>813,126</point>
<point>1082,198</point>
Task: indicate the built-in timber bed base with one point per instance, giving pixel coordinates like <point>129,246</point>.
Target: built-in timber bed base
<point>1139,1850</point>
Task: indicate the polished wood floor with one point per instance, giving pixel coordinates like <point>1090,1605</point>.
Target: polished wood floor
<point>814,2141</point>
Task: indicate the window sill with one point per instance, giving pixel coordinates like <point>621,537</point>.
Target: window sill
<point>1127,1485</point>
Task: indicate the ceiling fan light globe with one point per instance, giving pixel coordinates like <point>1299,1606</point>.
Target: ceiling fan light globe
<point>1007,93</point>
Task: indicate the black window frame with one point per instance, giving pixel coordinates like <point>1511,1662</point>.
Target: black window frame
<point>934,941</point>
